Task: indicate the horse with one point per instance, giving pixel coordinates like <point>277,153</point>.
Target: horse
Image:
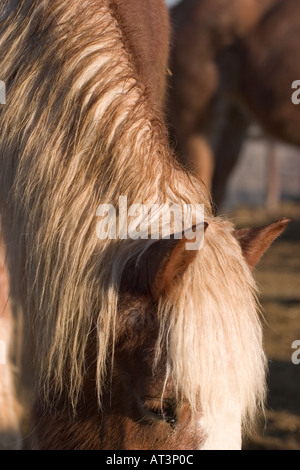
<point>136,343</point>
<point>228,71</point>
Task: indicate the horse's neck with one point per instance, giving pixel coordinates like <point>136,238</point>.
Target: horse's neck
<point>146,27</point>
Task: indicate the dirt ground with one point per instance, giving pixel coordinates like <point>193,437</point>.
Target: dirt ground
<point>278,277</point>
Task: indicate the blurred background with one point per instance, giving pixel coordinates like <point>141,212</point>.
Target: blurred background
<point>250,201</point>
<point>263,185</point>
<point>172,3</point>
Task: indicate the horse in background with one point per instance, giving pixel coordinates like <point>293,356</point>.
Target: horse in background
<point>232,62</point>
<point>135,344</point>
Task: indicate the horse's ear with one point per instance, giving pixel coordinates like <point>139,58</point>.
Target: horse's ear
<point>161,266</point>
<point>255,241</point>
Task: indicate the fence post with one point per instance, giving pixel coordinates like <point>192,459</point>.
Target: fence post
<point>273,178</point>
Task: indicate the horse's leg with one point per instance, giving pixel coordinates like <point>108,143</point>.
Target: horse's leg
<point>201,158</point>
<point>201,146</point>
<point>228,151</point>
<point>10,437</point>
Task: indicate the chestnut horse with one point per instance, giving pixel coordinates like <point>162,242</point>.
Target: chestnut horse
<point>233,61</point>
<point>136,344</point>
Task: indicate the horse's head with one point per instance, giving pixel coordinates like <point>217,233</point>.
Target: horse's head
<point>181,374</point>
<point>144,407</point>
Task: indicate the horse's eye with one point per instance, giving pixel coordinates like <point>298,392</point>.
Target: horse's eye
<point>161,410</point>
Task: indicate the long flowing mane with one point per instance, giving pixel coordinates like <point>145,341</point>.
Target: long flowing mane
<point>87,133</point>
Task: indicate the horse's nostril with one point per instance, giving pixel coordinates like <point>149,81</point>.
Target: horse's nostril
<point>161,410</point>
